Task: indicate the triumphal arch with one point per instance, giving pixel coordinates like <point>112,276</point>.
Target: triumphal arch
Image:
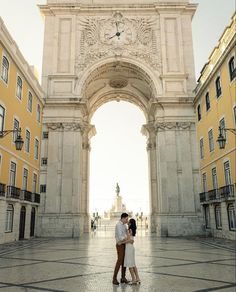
<point>97,51</point>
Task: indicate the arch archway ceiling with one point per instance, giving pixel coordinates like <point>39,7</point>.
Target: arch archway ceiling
<point>119,78</point>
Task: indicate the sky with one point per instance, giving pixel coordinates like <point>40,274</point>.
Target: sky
<point>118,151</point>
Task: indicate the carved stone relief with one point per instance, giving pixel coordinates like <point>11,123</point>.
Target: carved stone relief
<point>118,36</point>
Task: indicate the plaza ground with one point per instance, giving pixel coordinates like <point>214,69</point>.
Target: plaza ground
<point>86,264</point>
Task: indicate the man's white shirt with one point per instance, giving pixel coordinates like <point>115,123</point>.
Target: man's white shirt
<point>120,231</point>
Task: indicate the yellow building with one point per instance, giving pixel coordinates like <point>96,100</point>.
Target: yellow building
<point>21,104</point>
<point>215,105</point>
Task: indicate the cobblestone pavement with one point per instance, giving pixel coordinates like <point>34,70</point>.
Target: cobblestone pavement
<point>86,264</point>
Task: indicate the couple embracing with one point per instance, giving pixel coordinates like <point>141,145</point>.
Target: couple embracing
<point>125,250</point>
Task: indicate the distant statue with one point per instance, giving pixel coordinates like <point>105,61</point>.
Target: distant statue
<point>117,189</point>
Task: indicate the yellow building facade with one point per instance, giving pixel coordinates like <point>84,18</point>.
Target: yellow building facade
<point>215,105</point>
<point>21,106</point>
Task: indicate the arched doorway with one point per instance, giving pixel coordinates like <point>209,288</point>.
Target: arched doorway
<point>149,65</point>
<point>22,223</point>
<point>32,221</point>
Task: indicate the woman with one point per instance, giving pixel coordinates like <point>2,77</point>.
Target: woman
<point>129,260</point>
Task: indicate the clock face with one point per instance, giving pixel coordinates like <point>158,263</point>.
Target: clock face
<point>117,33</point>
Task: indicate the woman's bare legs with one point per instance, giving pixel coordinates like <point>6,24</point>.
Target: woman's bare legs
<point>132,273</point>
<point>136,274</point>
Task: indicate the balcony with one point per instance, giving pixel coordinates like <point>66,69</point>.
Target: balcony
<point>217,195</point>
<point>2,190</point>
<point>36,198</point>
<point>26,196</point>
<point>13,192</point>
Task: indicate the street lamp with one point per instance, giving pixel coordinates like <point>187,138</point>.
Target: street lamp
<point>18,142</point>
<point>221,138</point>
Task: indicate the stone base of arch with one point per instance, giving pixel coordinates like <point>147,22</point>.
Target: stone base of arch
<point>62,225</point>
<point>171,225</point>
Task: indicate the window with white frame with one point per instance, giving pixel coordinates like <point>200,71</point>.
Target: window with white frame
<point>36,149</point>
<point>30,102</point>
<point>9,218</point>
<point>227,173</point>
<point>5,69</point>
<point>204,182</point>
<point>222,126</point>
<point>38,113</point>
<point>35,179</point>
<point>12,174</point>
<point>232,69</point>
<point>232,217</point>
<point>27,141</point>
<point>207,99</point>
<point>16,126</point>
<point>218,217</point>
<point>19,85</point>
<point>25,179</point>
<point>211,140</point>
<point>214,178</point>
<point>207,216</point>
<point>2,118</point>
<point>218,87</point>
<point>201,148</point>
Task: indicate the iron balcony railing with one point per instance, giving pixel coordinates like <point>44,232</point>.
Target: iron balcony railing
<point>36,198</point>
<point>26,196</point>
<point>223,193</point>
<point>13,192</point>
<point>2,190</point>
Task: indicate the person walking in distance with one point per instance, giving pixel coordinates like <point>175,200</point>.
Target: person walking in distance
<point>121,238</point>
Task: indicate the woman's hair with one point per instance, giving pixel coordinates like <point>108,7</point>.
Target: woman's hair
<point>132,226</point>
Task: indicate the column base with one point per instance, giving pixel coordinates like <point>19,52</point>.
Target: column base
<point>62,225</point>
<point>167,225</point>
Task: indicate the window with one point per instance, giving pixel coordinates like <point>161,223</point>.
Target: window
<point>235,115</point>
<point>232,69</point>
<point>231,217</point>
<point>13,174</point>
<point>208,104</point>
<point>207,216</point>
<point>214,178</point>
<point>5,69</point>
<point>30,101</point>
<point>199,116</point>
<point>2,117</point>
<point>25,179</point>
<point>211,140</point>
<point>16,126</point>
<point>222,126</point>
<point>27,141</point>
<point>218,86</point>
<point>44,161</point>
<point>38,113</point>
<point>35,178</point>
<point>42,188</point>
<point>201,148</point>
<point>227,173</point>
<point>218,217</point>
<point>204,182</point>
<point>9,218</point>
<point>45,135</point>
<point>19,87</point>
<point>36,149</point>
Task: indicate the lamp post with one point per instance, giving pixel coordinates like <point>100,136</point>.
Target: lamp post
<point>222,138</point>
<point>18,142</point>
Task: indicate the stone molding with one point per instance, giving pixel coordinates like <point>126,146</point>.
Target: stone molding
<point>83,127</point>
<point>173,125</point>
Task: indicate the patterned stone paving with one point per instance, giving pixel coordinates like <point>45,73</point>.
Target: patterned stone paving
<point>86,264</point>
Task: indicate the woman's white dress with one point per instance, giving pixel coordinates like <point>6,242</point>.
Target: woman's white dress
<point>129,261</point>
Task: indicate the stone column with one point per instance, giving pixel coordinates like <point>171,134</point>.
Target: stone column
<point>149,131</point>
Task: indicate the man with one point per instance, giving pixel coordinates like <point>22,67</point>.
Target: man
<point>121,238</point>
